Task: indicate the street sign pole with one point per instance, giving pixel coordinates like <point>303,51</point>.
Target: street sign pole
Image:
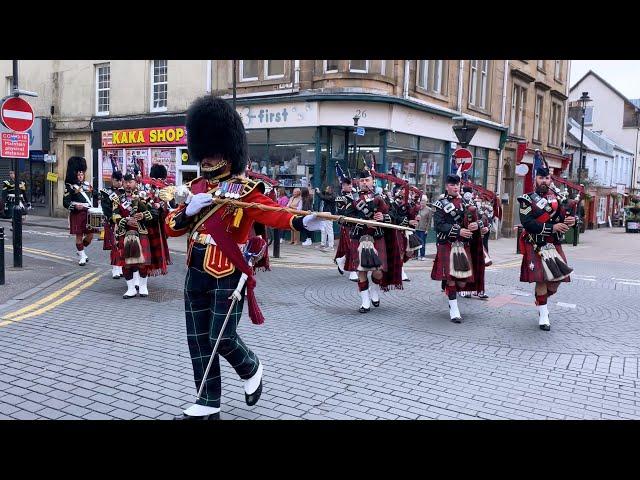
<point>17,211</point>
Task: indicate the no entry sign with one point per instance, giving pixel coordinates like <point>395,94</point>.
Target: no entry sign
<point>464,158</point>
<point>14,145</point>
<point>16,114</point>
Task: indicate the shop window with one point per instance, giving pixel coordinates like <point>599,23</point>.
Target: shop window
<point>292,135</point>
<point>258,135</point>
<point>159,84</point>
<point>248,70</point>
<point>431,166</point>
<point>478,172</point>
<point>402,140</point>
<point>103,88</point>
<point>330,66</point>
<point>274,68</point>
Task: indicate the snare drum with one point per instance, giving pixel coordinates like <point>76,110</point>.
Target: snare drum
<point>95,218</point>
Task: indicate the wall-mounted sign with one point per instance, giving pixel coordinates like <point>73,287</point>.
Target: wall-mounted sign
<point>140,137</point>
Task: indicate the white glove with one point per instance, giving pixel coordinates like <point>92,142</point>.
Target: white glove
<point>312,222</point>
<point>197,203</point>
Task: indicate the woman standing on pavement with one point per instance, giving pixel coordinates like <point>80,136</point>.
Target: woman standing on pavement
<point>424,223</point>
<point>283,201</point>
<point>307,204</point>
<point>295,202</point>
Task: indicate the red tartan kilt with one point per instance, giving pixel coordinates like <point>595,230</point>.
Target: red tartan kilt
<point>78,222</point>
<point>353,257</point>
<point>109,239</point>
<point>343,243</point>
<point>159,251</point>
<point>441,264</point>
<point>537,274</point>
<point>146,252</point>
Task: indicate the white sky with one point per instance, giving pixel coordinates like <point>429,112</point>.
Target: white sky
<point>624,75</point>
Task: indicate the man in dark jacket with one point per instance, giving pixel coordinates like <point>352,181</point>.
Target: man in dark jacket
<point>328,205</point>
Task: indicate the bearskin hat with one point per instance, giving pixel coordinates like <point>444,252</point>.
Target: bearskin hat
<point>364,174</point>
<point>214,128</point>
<point>128,177</point>
<point>75,165</point>
<point>117,175</point>
<point>542,171</point>
<point>158,171</point>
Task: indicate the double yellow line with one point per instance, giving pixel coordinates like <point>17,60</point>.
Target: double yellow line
<point>51,301</point>
<point>44,253</point>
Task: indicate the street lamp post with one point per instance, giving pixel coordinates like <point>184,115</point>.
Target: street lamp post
<point>355,142</point>
<point>581,162</point>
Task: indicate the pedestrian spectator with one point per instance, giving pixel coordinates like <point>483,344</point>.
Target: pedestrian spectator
<point>283,201</point>
<point>295,202</point>
<point>424,224</point>
<point>307,204</point>
<point>328,205</point>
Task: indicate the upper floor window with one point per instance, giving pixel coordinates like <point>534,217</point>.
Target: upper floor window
<point>330,66</point>
<point>159,83</point>
<point>555,124</point>
<point>359,66</point>
<point>273,68</point>
<point>518,107</point>
<point>558,70</point>
<point>248,70</point>
<point>431,75</point>
<point>103,88</point>
<point>537,123</point>
<point>478,83</point>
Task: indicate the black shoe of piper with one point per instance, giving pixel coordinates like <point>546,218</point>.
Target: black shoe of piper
<point>546,328</point>
<point>252,399</point>
<point>456,320</point>
<point>363,310</point>
<point>375,304</point>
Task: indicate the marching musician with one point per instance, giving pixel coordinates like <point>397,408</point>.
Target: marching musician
<point>77,198</point>
<point>545,221</point>
<point>159,209</point>
<point>468,194</point>
<point>9,195</point>
<point>110,198</point>
<point>459,262</point>
<point>216,232</point>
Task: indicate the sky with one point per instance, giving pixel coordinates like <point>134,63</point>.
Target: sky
<point>624,75</point>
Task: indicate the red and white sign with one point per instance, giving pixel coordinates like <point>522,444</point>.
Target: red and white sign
<point>464,158</point>
<point>14,145</point>
<point>17,114</point>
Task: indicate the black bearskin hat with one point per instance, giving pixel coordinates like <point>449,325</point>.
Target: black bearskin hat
<point>214,128</point>
<point>364,174</point>
<point>542,171</point>
<point>453,179</point>
<point>117,175</point>
<point>75,165</point>
<point>345,181</point>
<point>158,171</point>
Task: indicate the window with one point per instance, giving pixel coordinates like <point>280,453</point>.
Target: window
<point>478,83</point>
<point>431,74</point>
<point>478,172</point>
<point>595,168</point>
<point>9,85</point>
<point>361,66</point>
<point>103,87</point>
<point>541,65</point>
<point>158,85</point>
<point>606,172</point>
<point>537,123</point>
<point>555,121</point>
<point>588,115</point>
<point>248,70</point>
<point>273,68</point>
<point>518,104</point>
<point>558,70</point>
<point>330,66</point>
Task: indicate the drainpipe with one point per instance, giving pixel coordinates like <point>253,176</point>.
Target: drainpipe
<point>208,76</point>
<point>566,110</point>
<point>460,71</point>
<point>405,90</point>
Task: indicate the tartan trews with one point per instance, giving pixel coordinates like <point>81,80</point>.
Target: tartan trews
<point>207,302</point>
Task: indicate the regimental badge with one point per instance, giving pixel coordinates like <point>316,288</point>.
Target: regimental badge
<point>532,266</point>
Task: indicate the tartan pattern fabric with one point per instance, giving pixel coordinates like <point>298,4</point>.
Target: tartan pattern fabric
<point>392,278</point>
<point>146,252</point>
<point>109,238</point>
<point>78,222</point>
<point>206,302</point>
<point>160,257</point>
<point>537,274</point>
<point>343,243</point>
<point>353,256</point>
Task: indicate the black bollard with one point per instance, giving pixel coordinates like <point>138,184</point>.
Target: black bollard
<point>1,255</point>
<point>520,228</point>
<point>276,243</point>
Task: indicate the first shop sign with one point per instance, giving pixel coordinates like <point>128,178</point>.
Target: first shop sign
<point>136,137</point>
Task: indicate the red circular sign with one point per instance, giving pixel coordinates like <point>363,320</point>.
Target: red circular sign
<point>464,158</point>
<point>16,114</point>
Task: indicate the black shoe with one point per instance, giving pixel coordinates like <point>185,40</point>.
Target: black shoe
<point>456,320</point>
<point>252,399</point>
<point>546,328</point>
<point>481,296</point>
<point>213,416</point>
<point>375,304</point>
<point>363,310</point>
<point>127,297</point>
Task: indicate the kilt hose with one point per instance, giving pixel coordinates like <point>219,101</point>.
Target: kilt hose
<point>78,222</point>
<point>206,303</point>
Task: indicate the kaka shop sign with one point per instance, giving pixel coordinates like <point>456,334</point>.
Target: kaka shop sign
<point>137,137</point>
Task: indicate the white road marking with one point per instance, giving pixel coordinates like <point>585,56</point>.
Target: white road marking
<point>566,305</point>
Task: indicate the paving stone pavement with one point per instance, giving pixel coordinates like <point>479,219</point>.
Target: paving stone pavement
<point>84,359</point>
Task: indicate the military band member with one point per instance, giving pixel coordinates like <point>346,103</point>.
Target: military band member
<point>459,262</point>
<point>110,197</point>
<point>216,266</point>
<point>545,222</point>
<point>9,195</point>
<point>77,198</point>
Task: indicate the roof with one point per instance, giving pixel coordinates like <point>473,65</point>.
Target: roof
<point>595,141</point>
<point>591,72</point>
<point>635,101</point>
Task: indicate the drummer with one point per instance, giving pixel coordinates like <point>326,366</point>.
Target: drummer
<point>77,198</point>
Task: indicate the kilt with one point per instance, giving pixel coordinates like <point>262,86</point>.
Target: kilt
<point>109,238</point>
<point>206,303</point>
<point>146,252</point>
<point>159,251</point>
<point>343,243</point>
<point>537,274</point>
<point>353,256</point>
<point>78,222</point>
<point>441,264</point>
